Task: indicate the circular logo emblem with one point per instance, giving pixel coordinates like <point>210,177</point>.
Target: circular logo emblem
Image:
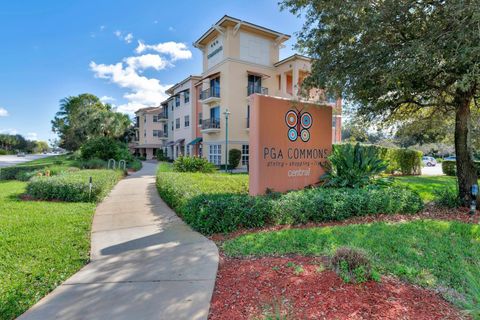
<point>305,135</point>
<point>292,134</point>
<point>306,120</point>
<point>291,118</point>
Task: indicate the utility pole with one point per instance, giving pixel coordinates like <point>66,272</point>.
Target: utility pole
<point>226,113</point>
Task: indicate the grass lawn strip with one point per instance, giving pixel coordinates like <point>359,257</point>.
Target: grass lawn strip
<point>443,255</point>
<point>41,245</point>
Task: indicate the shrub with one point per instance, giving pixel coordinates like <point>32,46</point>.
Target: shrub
<point>105,148</point>
<point>193,164</point>
<point>447,197</point>
<point>213,203</point>
<point>160,155</point>
<point>74,186</point>
<point>449,167</point>
<point>234,156</point>
<point>352,265</point>
<point>404,161</point>
<point>11,173</point>
<point>48,171</point>
<point>93,163</point>
<point>353,166</point>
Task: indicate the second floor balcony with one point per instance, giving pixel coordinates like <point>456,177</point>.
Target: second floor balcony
<point>211,125</point>
<point>251,89</point>
<point>211,94</point>
<point>162,135</point>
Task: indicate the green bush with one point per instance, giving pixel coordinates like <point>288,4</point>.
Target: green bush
<point>353,166</point>
<point>74,186</point>
<point>160,155</point>
<point>105,148</point>
<point>234,156</point>
<point>50,170</point>
<point>353,265</point>
<point>193,164</point>
<point>93,163</point>
<point>447,197</point>
<point>449,167</point>
<point>403,161</point>
<point>213,203</point>
<point>11,173</point>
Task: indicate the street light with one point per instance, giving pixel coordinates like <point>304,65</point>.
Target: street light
<point>226,113</point>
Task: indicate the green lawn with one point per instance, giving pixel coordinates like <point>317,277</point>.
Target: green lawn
<point>425,185</point>
<point>436,254</point>
<point>62,159</point>
<point>41,245</point>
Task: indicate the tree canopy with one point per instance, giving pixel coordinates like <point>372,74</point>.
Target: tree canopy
<point>84,117</point>
<point>392,56</point>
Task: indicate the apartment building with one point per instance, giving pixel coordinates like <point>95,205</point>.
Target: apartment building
<point>150,131</point>
<point>182,128</point>
<point>240,59</point>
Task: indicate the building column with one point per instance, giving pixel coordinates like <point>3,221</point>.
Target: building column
<point>283,84</point>
<point>295,80</point>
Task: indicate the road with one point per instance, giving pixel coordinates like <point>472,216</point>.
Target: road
<point>432,171</point>
<point>11,160</point>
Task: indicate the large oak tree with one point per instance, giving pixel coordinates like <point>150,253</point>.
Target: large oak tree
<point>395,54</point>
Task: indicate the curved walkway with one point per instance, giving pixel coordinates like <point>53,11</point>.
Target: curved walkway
<point>146,263</point>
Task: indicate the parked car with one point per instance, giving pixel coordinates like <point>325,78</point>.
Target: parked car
<point>429,161</point>
<point>451,158</point>
<point>21,154</point>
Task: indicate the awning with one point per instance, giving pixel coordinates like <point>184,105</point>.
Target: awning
<point>179,141</point>
<point>170,143</point>
<point>195,141</point>
<point>259,74</point>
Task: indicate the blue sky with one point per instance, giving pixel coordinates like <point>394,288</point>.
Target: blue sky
<point>53,49</point>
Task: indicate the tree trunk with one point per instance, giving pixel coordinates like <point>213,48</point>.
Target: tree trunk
<point>466,170</point>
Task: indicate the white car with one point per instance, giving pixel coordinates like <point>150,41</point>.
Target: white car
<point>429,161</point>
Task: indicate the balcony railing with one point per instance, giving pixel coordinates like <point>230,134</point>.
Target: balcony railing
<point>212,92</point>
<point>251,89</point>
<point>211,124</point>
<point>161,134</point>
<point>163,115</point>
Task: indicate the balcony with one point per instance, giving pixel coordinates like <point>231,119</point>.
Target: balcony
<point>210,125</point>
<point>163,116</point>
<point>161,135</point>
<point>209,95</point>
<point>251,89</point>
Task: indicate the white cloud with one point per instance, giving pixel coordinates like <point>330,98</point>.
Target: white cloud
<point>143,91</point>
<point>106,99</point>
<point>118,34</point>
<point>31,136</point>
<point>171,29</point>
<point>147,61</point>
<point>3,112</point>
<point>128,38</point>
<point>9,131</point>
<point>102,28</point>
<point>176,50</point>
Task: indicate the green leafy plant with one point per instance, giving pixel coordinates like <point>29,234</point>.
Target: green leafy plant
<point>352,265</point>
<point>74,186</point>
<point>193,164</point>
<point>447,197</point>
<point>353,167</point>
<point>105,148</point>
<point>234,156</point>
<point>160,155</point>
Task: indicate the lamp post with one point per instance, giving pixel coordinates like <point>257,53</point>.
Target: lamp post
<point>226,113</point>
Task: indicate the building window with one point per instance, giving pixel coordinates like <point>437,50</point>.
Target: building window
<point>215,154</point>
<point>200,118</point>
<point>186,96</point>
<point>155,118</point>
<point>144,133</point>
<point>215,113</point>
<point>187,121</point>
<point>156,133</point>
<point>145,119</point>
<point>177,101</point>
<point>172,125</point>
<point>177,123</point>
<point>245,154</point>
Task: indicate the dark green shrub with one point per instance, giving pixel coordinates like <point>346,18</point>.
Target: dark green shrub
<point>213,203</point>
<point>449,167</point>
<point>10,173</point>
<point>160,155</point>
<point>234,156</point>
<point>447,197</point>
<point>353,265</point>
<point>193,164</point>
<point>74,186</point>
<point>105,148</point>
<point>353,166</point>
<point>93,163</point>
<point>404,161</point>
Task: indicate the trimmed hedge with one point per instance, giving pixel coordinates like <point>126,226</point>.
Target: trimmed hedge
<point>449,167</point>
<point>403,161</point>
<point>11,173</point>
<point>74,186</point>
<point>220,203</point>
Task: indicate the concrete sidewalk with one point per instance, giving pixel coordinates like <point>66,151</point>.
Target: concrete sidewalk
<point>146,263</point>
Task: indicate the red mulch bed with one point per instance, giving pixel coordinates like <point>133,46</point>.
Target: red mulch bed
<point>431,212</point>
<point>245,288</point>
